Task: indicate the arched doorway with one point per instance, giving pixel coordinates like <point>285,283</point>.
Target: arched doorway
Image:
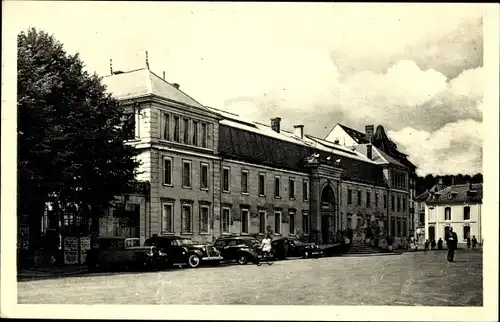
<point>327,213</point>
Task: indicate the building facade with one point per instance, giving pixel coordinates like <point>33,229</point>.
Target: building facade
<point>456,206</point>
<point>212,173</point>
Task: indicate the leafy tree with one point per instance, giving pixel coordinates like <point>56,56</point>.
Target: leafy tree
<point>70,132</point>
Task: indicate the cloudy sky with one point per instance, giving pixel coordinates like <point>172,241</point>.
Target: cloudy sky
<point>416,69</point>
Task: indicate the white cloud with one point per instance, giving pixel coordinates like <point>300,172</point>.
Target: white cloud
<point>453,149</point>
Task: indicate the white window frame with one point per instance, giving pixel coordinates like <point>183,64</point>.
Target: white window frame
<point>244,171</point>
<point>228,179</point>
<point>204,138</point>
<point>207,207</point>
<point>248,220</point>
<point>171,172</point>
<point>305,194</point>
<point>447,219</point>
<point>265,221</point>
<point>290,214</point>
<point>228,232</point>
<point>184,161</point>
<point>277,196</point>
<point>276,212</point>
<point>291,183</point>
<point>204,165</point>
<point>195,130</point>
<point>163,123</point>
<point>263,175</point>
<point>190,206</point>
<point>172,225</point>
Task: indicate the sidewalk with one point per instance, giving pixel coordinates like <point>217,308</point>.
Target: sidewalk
<point>55,271</point>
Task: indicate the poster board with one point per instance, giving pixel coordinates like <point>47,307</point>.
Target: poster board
<point>84,248</point>
<point>71,250</point>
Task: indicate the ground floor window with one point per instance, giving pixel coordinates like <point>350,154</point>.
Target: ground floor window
<point>305,223</point>
<point>204,219</point>
<point>186,226</point>
<point>466,232</point>
<point>262,222</point>
<point>245,218</point>
<point>277,222</point>
<point>225,220</point>
<point>291,221</point>
<point>167,218</point>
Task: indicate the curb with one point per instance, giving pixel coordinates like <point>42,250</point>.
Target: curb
<point>43,274</point>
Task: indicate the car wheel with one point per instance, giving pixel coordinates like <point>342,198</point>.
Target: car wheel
<point>242,259</point>
<point>194,261</point>
<point>306,254</point>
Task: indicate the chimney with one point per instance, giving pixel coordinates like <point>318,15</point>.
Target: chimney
<point>111,66</point>
<point>176,85</point>
<point>298,130</point>
<point>369,132</point>
<point>369,151</point>
<point>275,124</point>
<point>163,75</point>
<point>439,185</point>
<point>147,60</point>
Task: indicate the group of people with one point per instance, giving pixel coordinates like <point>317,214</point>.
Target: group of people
<point>451,243</point>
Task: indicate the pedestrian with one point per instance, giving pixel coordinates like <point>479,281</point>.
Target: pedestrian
<point>433,244</point>
<point>440,244</point>
<point>426,245</point>
<point>266,249</point>
<point>474,242</point>
<point>468,242</point>
<point>451,242</point>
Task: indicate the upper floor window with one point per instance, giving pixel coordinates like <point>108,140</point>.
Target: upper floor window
<point>393,202</point>
<point>466,213</point>
<point>225,179</point>
<point>129,125</point>
<point>305,190</point>
<point>195,133</point>
<point>186,131</point>
<point>262,188</point>
<point>165,134</point>
<point>404,203</point>
<point>204,135</point>
<point>368,201</point>
<point>447,213</point>
<point>177,129</point>
<point>291,188</point>
<point>167,171</point>
<point>244,181</point>
<point>359,197</point>
<point>399,203</point>
<point>376,199</point>
<point>385,201</point>
<point>277,187</point>
<point>349,196</point>
<point>204,176</point>
<point>186,174</point>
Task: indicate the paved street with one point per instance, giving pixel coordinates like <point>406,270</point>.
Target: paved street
<point>409,279</point>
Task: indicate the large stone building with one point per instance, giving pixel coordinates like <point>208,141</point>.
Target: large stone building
<point>457,206</point>
<point>213,173</point>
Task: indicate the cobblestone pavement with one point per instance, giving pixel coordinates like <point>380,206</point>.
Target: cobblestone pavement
<point>421,278</point>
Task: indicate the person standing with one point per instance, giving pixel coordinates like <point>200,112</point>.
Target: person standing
<point>440,244</point>
<point>468,242</point>
<point>433,244</point>
<point>266,249</point>
<point>474,242</point>
<point>451,241</point>
<point>426,245</point>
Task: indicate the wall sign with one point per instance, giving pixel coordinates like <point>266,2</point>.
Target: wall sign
<point>71,250</point>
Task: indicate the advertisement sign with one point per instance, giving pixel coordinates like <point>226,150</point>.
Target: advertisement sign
<point>71,250</point>
<point>84,248</point>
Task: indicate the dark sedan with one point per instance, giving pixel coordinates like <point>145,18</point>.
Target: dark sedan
<point>292,247</point>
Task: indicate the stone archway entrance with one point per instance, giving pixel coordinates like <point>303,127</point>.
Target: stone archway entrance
<point>327,213</point>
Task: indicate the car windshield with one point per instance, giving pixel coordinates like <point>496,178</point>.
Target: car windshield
<point>183,242</point>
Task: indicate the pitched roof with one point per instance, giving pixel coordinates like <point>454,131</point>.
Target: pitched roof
<point>378,155</point>
<point>140,82</point>
<point>459,194</point>
<point>355,134</point>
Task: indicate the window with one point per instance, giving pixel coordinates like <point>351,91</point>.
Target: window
<point>466,232</point>
<point>305,223</point>
<point>393,202</point>
<point>393,226</point>
<point>245,219</point>
<point>204,219</point>
<point>225,220</point>
<point>204,176</point>
<point>305,190</point>
<point>403,228</point>
<point>204,134</point>
<point>376,199</point>
<point>186,221</point>
<point>166,126</point>
<point>385,201</point>
<point>349,196</point>
<point>262,179</point>
<point>167,218</point>
<point>186,174</point>
<point>167,171</point>
<point>404,203</point>
<point>291,221</point>
<point>129,125</point>
<point>244,181</point>
<point>195,133</point>
<point>177,129</point>
<point>277,222</point>
<point>185,137</point>
<point>447,213</point>
<point>291,188</point>
<point>359,197</point>
<point>225,180</point>
<point>262,221</point>
<point>446,231</point>
<point>277,186</point>
<point>466,213</point>
<point>399,203</point>
<point>421,219</point>
<point>368,201</point>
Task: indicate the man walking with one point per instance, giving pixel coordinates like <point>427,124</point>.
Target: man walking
<point>266,249</point>
<point>474,242</point>
<point>451,241</point>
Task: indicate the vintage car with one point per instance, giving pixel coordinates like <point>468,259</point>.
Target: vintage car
<point>180,250</point>
<point>292,247</point>
<point>122,252</point>
<point>242,249</point>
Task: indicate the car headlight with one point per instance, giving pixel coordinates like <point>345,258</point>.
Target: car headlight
<point>203,249</point>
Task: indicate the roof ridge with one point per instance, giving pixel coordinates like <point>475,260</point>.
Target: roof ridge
<point>127,72</point>
<point>177,88</point>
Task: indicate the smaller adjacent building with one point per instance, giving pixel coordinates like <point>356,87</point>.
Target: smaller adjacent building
<point>456,206</point>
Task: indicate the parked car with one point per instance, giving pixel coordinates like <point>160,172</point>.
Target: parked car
<point>180,250</point>
<point>123,252</point>
<point>242,249</point>
<point>292,247</point>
